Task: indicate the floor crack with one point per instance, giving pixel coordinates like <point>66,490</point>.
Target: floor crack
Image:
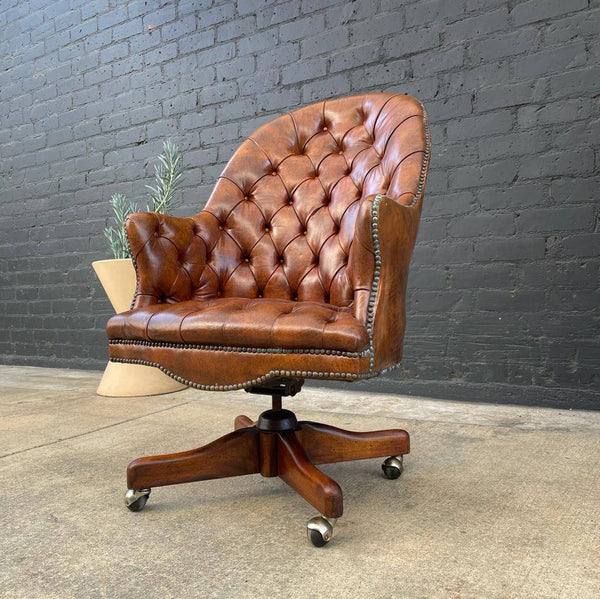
<point>7,455</point>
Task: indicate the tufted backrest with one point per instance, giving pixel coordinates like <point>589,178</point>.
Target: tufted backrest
<point>286,204</point>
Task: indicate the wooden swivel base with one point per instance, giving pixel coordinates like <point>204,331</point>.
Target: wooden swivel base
<point>276,445</point>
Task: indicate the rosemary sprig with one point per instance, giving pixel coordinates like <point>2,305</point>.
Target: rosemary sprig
<point>116,236</point>
<point>168,177</point>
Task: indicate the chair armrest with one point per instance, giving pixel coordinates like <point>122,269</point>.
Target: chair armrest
<point>169,257</point>
<point>383,242</point>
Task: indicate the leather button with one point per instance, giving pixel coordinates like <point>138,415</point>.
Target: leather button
<point>290,203</point>
<point>267,228</point>
<point>324,128</point>
<point>304,232</point>
<point>220,227</point>
<point>259,295</point>
<point>281,260</point>
<point>246,259</point>
<point>341,153</point>
<point>274,173</point>
<point>246,198</point>
<point>295,298</point>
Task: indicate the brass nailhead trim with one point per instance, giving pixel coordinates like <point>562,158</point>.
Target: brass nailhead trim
<point>426,157</point>
<point>245,350</point>
<point>135,267</point>
<point>261,379</point>
<point>376,274</point>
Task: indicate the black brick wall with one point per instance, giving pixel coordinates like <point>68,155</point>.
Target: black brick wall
<point>504,295</point>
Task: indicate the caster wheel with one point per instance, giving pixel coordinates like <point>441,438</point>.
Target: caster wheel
<point>136,500</point>
<point>393,467</point>
<point>320,531</point>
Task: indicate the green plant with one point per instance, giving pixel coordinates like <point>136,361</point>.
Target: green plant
<point>168,175</point>
<point>117,238</point>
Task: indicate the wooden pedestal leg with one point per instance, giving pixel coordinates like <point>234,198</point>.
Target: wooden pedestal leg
<point>234,454</point>
<point>296,470</point>
<point>324,444</point>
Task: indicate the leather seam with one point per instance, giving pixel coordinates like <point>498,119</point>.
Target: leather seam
<point>357,154</point>
<point>231,273</point>
<point>306,273</point>
<point>295,129</point>
<point>272,274</point>
<point>412,116</point>
<point>181,323</point>
<point>263,151</point>
<point>379,113</point>
<point>318,254</point>
<point>337,272</point>
<point>148,324</point>
<point>403,159</point>
<point>143,246</point>
<point>272,331</point>
<point>226,178</point>
<point>343,216</point>
<point>230,211</point>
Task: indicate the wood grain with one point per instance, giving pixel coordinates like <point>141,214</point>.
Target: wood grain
<point>234,454</point>
<point>324,444</point>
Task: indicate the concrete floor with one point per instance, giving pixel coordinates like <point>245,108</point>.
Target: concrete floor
<point>496,501</point>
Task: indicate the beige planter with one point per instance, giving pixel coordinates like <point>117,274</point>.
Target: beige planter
<point>118,279</point>
<point>127,380</point>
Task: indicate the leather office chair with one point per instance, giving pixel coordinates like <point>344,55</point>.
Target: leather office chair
<point>295,269</point>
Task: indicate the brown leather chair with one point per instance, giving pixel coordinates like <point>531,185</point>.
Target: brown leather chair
<point>295,269</point>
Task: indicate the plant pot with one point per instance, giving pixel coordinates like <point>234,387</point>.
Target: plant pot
<point>117,276</point>
<point>118,279</point>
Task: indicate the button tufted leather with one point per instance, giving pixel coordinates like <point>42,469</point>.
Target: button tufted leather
<point>236,322</point>
<point>291,222</point>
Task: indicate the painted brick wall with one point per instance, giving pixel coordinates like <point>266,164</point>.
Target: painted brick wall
<point>504,295</point>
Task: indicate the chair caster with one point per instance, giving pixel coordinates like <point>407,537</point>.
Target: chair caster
<point>320,530</point>
<point>393,467</point>
<point>136,500</point>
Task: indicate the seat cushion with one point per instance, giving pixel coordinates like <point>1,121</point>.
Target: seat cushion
<point>241,322</point>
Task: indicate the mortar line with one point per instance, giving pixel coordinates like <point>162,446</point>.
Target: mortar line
<point>7,455</point>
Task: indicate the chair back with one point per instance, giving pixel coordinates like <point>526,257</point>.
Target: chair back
<point>287,201</point>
